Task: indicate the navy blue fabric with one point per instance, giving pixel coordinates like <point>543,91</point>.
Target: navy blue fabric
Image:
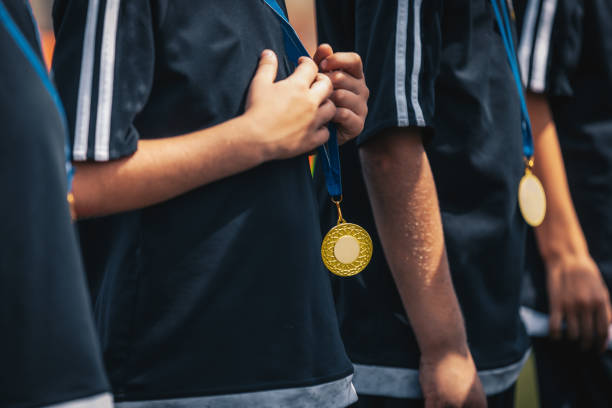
<point>221,290</point>
<point>476,158</point>
<point>583,118</point>
<point>49,348</point>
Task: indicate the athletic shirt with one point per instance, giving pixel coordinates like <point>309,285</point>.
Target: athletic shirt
<point>221,290</point>
<point>566,49</point>
<point>442,67</point>
<point>49,351</point>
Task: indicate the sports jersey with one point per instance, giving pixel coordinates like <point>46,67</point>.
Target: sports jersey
<point>442,67</point>
<point>566,54</point>
<point>217,297</point>
<point>49,350</point>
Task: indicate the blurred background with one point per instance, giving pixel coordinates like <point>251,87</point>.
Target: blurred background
<point>302,16</point>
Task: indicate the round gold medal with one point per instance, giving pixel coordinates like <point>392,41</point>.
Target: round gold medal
<point>532,199</point>
<point>346,249</point>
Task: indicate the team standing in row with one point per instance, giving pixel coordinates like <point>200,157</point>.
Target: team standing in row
<point>201,226</point>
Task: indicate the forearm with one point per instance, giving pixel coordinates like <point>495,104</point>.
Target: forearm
<point>164,168</point>
<point>560,233</point>
<point>404,200</point>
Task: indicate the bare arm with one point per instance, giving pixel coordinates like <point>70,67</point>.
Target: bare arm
<point>576,289</point>
<point>282,120</point>
<point>405,205</point>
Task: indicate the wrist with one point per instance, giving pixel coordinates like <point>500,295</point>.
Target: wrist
<point>254,136</point>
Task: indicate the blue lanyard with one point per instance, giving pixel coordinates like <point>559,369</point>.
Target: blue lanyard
<point>295,49</point>
<point>40,70</point>
<point>506,33</point>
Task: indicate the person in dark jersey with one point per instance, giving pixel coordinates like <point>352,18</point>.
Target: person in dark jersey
<point>439,73</point>
<point>210,289</point>
<point>50,353</point>
<point>566,61</point>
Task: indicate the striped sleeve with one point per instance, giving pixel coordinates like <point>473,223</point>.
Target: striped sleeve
<point>103,67</point>
<point>549,45</point>
<point>399,42</point>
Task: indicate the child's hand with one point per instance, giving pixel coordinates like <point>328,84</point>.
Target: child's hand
<point>289,117</point>
<point>350,91</point>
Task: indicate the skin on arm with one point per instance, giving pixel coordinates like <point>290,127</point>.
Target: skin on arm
<point>576,290</point>
<point>405,205</point>
<point>282,120</point>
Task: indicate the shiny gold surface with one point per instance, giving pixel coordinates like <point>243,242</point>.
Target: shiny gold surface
<point>345,233</point>
<point>532,199</point>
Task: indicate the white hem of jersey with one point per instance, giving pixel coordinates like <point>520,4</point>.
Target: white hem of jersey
<point>525,44</point>
<point>107,76</point>
<point>335,394</point>
<point>400,62</point>
<point>97,401</point>
<point>404,382</point>
<point>536,324</point>
<point>416,67</point>
<point>542,46</point>
<point>81,129</point>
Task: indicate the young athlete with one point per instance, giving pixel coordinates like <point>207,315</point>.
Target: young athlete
<point>50,352</point>
<point>440,78</point>
<point>566,63</point>
<point>209,281</point>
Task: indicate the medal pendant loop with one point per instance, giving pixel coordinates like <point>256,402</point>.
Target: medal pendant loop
<point>341,219</point>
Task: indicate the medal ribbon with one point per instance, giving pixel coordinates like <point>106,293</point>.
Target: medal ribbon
<point>295,49</point>
<point>506,32</point>
<point>41,71</point>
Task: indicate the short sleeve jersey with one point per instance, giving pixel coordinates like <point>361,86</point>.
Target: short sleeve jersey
<point>567,55</point>
<point>49,351</point>
<point>441,67</point>
<point>220,291</point>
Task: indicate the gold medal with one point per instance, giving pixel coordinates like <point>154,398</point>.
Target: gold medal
<point>532,198</point>
<point>346,248</point>
<point>70,199</point>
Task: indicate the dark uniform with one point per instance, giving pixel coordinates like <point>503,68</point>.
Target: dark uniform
<point>566,53</point>
<point>49,349</point>
<point>442,67</point>
<point>218,297</point>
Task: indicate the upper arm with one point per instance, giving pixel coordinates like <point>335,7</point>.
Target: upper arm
<point>103,67</point>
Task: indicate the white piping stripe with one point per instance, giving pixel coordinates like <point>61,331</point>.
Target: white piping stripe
<point>416,68</point>
<point>81,129</point>
<point>98,401</point>
<point>542,46</point>
<point>526,41</point>
<point>339,393</point>
<point>399,382</point>
<point>107,76</point>
<point>400,62</point>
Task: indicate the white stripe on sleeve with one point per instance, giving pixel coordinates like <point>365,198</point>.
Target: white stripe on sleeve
<point>524,49</point>
<point>542,46</point>
<point>400,62</point>
<point>416,67</point>
<point>107,76</point>
<point>81,129</point>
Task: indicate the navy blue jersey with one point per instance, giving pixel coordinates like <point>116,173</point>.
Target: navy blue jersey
<point>219,294</point>
<point>567,47</point>
<point>442,67</point>
<point>49,351</point>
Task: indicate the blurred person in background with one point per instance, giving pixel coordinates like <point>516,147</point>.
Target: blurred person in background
<point>49,349</point>
<point>565,54</point>
<point>205,253</point>
<point>444,112</point>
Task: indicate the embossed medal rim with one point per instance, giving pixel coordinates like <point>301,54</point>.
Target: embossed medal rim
<point>365,247</point>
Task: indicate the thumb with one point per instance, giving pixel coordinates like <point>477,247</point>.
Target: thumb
<point>267,69</point>
<point>323,51</point>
